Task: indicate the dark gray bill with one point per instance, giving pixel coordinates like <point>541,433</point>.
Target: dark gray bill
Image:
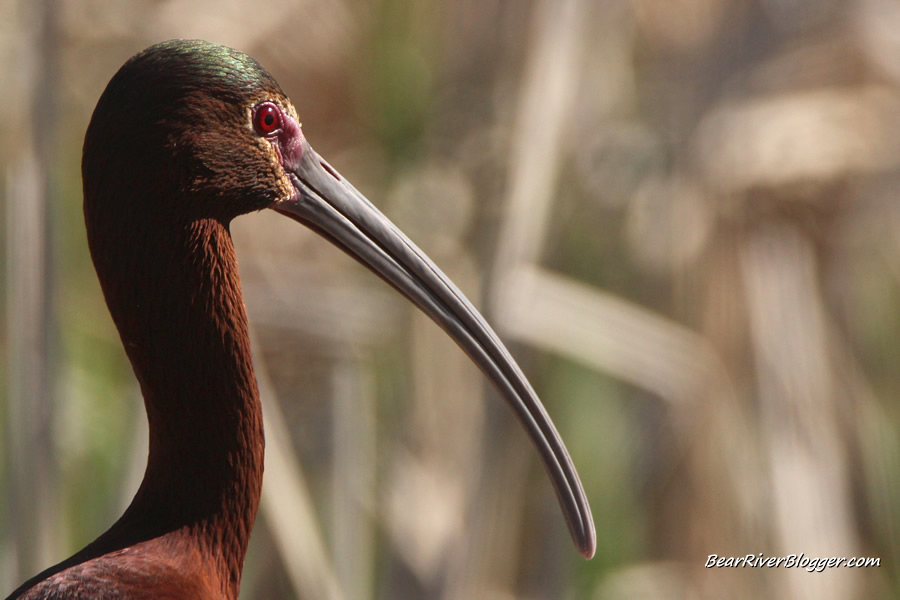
<point>328,204</point>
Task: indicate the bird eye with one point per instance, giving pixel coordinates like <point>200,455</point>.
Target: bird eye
<point>266,119</point>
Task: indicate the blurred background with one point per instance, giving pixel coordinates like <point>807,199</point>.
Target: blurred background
<point>681,214</point>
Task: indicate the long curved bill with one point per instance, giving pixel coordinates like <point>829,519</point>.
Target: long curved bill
<point>328,204</point>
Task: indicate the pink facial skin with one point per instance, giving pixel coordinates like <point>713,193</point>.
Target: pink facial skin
<point>286,137</point>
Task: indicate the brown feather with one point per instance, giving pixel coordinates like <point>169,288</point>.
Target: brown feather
<point>169,159</point>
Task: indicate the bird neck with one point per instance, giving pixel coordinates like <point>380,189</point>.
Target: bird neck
<point>178,306</point>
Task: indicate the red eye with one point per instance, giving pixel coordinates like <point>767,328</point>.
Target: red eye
<point>267,119</point>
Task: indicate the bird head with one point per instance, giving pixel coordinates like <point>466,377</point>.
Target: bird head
<point>189,131</point>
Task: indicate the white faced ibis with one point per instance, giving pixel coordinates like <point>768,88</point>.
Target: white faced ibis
<point>187,136</point>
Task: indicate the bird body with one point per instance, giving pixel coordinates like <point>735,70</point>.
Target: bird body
<point>187,136</point>
<point>164,568</point>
